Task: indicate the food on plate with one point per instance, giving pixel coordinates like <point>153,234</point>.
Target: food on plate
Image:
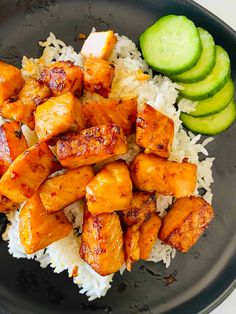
<point>7,205</point>
<point>154,131</point>
<point>143,204</point>
<point>24,176</point>
<point>185,222</point>
<point>120,112</point>
<point>55,116</point>
<point>115,178</point>
<point>98,76</point>
<point>99,45</point>
<point>11,81</point>
<point>152,173</point>
<point>39,229</point>
<point>212,124</point>
<point>148,235</point>
<point>61,190</point>
<point>12,144</point>
<point>131,244</point>
<point>91,146</point>
<point>102,242</point>
<point>21,107</point>
<point>62,77</point>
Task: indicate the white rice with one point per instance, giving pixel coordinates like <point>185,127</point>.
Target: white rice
<point>157,91</point>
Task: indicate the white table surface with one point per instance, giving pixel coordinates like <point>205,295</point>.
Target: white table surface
<point>226,10</point>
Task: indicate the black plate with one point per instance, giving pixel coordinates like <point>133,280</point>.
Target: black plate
<point>204,276</point>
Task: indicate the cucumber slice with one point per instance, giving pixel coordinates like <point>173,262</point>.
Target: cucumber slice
<point>172,45</point>
<point>216,103</point>
<point>204,65</point>
<point>213,82</point>
<point>212,124</point>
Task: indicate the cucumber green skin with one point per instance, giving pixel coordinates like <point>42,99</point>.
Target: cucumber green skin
<point>205,63</point>
<point>213,124</point>
<point>213,82</point>
<point>152,36</point>
<point>216,103</point>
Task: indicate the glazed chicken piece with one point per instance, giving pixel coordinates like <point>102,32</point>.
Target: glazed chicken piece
<point>115,178</point>
<point>122,113</point>
<point>63,77</point>
<point>91,146</point>
<point>142,205</point>
<point>24,176</point>
<point>148,235</point>
<point>62,190</point>
<point>57,115</point>
<point>99,45</point>
<point>39,229</point>
<point>131,242</point>
<point>185,222</point>
<point>7,205</point>
<point>98,76</point>
<point>22,107</point>
<point>11,81</point>
<point>102,243</point>
<point>154,131</point>
<point>151,173</point>
<point>12,144</point>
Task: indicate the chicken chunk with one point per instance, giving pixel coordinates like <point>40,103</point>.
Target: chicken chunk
<point>102,243</point>
<point>151,173</point>
<point>131,242</point>
<point>7,205</point>
<point>39,229</point>
<point>98,76</point>
<point>154,131</point>
<point>91,146</point>
<point>114,177</point>
<point>99,45</point>
<point>24,176</point>
<point>12,144</point>
<point>11,81</point>
<point>148,235</point>
<point>142,205</point>
<point>79,116</point>
<point>122,113</point>
<point>185,222</point>
<point>60,191</point>
<point>63,77</point>
<point>55,116</point>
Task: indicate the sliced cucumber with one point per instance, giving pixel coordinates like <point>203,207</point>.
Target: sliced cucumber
<point>212,124</point>
<point>172,45</point>
<point>216,103</point>
<point>213,82</point>
<point>204,65</point>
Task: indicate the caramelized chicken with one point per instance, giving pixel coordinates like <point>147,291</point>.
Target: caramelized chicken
<point>62,77</point>
<point>122,113</point>
<point>99,45</point>
<point>79,116</point>
<point>185,222</point>
<point>98,76</point>
<point>142,205</point>
<point>132,250</point>
<point>56,116</point>
<point>102,243</point>
<point>60,191</point>
<point>12,144</point>
<point>24,176</point>
<point>7,205</point>
<point>38,229</point>
<point>148,235</point>
<point>154,131</point>
<point>152,173</point>
<point>91,146</point>
<point>11,81</point>
<point>31,95</point>
<point>114,177</point>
